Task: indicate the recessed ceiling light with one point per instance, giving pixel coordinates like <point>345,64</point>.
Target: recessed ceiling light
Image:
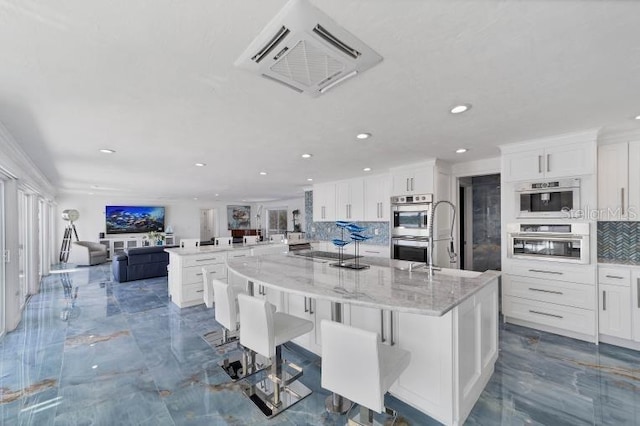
<point>263,173</point>
<point>217,195</point>
<point>363,135</point>
<point>366,169</point>
<point>309,179</point>
<point>107,151</point>
<point>461,150</point>
<point>195,198</point>
<point>637,117</point>
<point>458,109</point>
<point>91,193</point>
<point>200,164</point>
<point>306,155</point>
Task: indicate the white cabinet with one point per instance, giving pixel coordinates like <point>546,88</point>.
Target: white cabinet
<point>374,250</point>
<point>377,193</point>
<point>614,295</point>
<point>313,310</point>
<point>186,285</point>
<point>635,304</point>
<point>413,181</point>
<point>553,161</point>
<point>615,311</point>
<point>324,202</point>
<point>551,296</point>
<point>619,181</point>
<point>350,200</point>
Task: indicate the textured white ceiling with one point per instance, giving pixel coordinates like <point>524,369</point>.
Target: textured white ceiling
<point>154,80</point>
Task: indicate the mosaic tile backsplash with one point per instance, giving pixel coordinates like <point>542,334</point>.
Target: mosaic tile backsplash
<point>326,231</point>
<point>619,241</point>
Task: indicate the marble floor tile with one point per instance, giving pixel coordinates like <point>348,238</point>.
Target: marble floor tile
<point>90,351</point>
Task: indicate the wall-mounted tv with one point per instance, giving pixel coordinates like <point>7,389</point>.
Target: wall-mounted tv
<point>134,219</point>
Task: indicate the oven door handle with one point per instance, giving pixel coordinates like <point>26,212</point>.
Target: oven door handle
<point>546,237</point>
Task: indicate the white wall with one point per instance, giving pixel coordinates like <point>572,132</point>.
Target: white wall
<point>182,216</point>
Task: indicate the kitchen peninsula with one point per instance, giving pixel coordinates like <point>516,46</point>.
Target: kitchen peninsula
<point>448,322</point>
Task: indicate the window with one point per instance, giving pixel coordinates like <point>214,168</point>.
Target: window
<point>277,221</point>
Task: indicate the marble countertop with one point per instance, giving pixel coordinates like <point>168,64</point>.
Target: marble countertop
<point>387,284</point>
<point>219,249</point>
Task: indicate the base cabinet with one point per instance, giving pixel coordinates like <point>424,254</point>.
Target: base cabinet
<point>186,284</point>
<point>635,305</point>
<point>615,311</point>
<point>313,310</point>
<point>444,379</point>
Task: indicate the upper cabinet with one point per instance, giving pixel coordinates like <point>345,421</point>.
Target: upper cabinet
<point>377,194</point>
<point>350,200</point>
<point>619,181</point>
<point>549,162</point>
<point>418,180</point>
<point>324,202</point>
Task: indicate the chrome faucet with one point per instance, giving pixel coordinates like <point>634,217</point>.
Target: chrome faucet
<point>450,249</point>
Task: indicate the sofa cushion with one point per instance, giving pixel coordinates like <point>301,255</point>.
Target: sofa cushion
<point>145,255</point>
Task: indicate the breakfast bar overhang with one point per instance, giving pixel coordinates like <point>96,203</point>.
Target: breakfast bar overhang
<point>449,322</point>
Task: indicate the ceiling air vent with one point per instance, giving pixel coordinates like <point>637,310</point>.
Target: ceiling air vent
<point>305,50</point>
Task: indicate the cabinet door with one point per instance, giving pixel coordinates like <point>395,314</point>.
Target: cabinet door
<point>324,202</point>
<point>349,200</point>
<point>377,193</point>
<point>635,305</point>
<point>299,306</point>
<point>633,210</point>
<point>569,160</point>
<point>523,165</point>
<point>423,181</point>
<point>367,318</point>
<point>613,181</point>
<point>402,182</point>
<point>615,310</point>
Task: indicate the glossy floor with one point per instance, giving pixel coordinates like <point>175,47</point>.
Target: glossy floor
<point>93,352</point>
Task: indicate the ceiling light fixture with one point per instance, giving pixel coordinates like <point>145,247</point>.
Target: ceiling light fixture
<point>195,198</point>
<point>263,173</point>
<point>107,151</point>
<point>309,179</point>
<point>637,117</point>
<point>461,150</point>
<point>363,135</point>
<point>459,109</point>
<point>200,164</point>
<point>306,155</point>
<point>366,169</point>
<point>217,195</point>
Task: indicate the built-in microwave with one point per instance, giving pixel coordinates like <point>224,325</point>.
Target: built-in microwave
<point>410,215</point>
<point>551,199</point>
<point>566,242</point>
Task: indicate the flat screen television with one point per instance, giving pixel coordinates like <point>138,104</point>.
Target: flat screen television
<point>134,219</point>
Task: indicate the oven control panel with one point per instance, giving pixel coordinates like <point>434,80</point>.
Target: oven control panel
<point>412,199</point>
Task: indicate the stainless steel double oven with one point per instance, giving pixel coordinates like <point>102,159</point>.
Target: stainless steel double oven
<point>410,226</point>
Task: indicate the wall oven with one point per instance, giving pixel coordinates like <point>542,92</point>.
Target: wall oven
<point>567,242</point>
<point>410,226</point>
<point>554,199</point>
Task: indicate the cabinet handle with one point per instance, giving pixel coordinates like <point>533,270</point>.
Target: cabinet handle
<point>622,200</point>
<point>545,291</point>
<point>238,255</point>
<point>204,260</point>
<point>638,290</point>
<point>614,276</point>
<point>199,291</point>
<point>382,338</point>
<point>391,335</point>
<point>412,184</point>
<point>305,304</point>
<point>322,215</point>
<point>548,162</point>
<point>546,314</point>
<point>546,272</point>
<point>539,163</point>
<point>407,184</point>
<point>604,300</point>
<point>311,306</point>
<point>199,274</point>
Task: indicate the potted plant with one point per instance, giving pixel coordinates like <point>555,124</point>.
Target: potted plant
<point>155,238</point>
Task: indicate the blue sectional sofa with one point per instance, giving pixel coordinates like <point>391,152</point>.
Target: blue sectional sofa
<point>139,263</point>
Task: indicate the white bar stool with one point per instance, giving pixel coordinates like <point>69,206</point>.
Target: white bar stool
<point>250,239</point>
<point>189,243</point>
<point>223,241</point>
<point>276,238</point>
<point>264,332</point>
<point>356,365</point>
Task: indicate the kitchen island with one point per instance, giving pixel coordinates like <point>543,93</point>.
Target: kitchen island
<point>448,322</point>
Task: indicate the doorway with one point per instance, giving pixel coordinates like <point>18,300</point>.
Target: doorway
<point>479,201</point>
<point>208,224</point>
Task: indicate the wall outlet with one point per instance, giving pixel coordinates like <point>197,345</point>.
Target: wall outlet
<point>313,229</point>
<point>376,231</point>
